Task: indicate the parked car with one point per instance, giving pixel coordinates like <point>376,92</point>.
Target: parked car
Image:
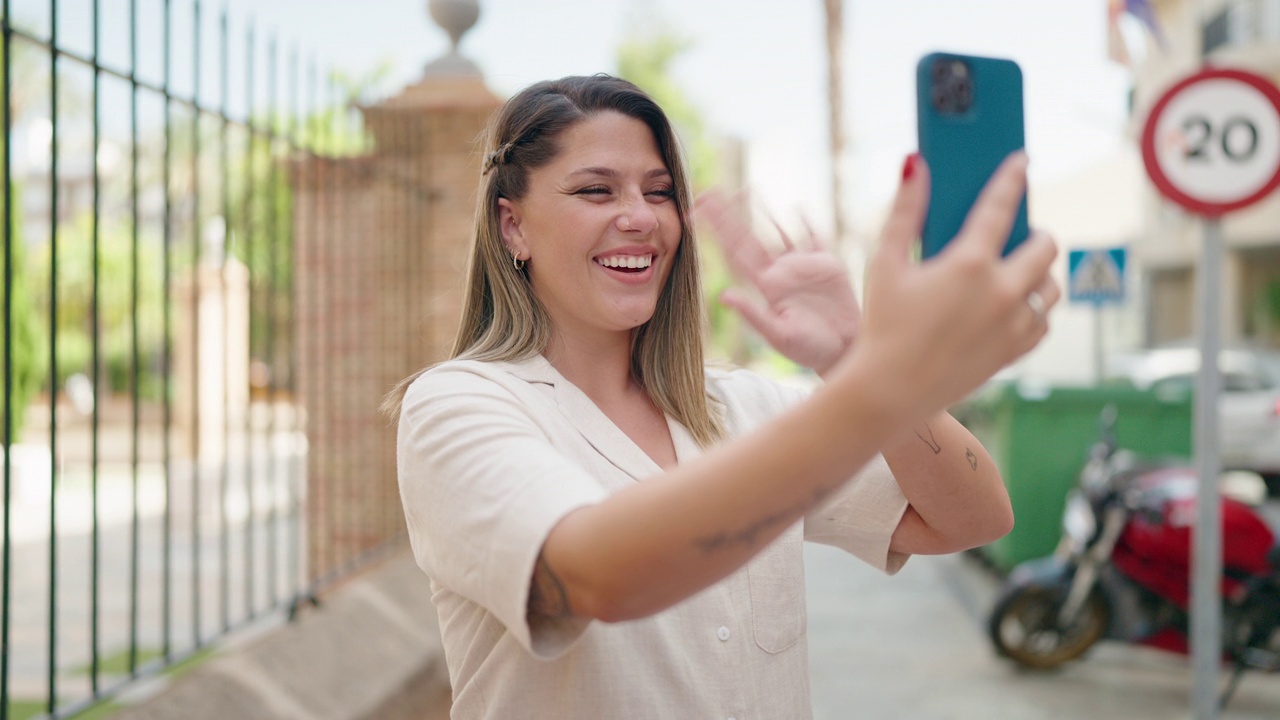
<point>1249,403</point>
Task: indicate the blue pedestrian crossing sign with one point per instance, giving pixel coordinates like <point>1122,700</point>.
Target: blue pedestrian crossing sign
<point>1096,276</point>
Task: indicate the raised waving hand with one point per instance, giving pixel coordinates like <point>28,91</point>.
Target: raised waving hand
<point>807,309</point>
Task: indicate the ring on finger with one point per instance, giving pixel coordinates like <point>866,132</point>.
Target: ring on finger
<point>1035,301</point>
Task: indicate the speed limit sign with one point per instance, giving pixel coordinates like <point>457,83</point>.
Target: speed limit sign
<point>1212,141</point>
<point>1212,144</point>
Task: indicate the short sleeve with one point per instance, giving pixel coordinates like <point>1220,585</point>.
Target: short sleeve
<point>862,516</point>
<point>482,488</point>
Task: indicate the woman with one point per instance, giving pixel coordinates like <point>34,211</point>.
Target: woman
<point>612,531</point>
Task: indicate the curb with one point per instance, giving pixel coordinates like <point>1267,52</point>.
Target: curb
<point>371,651</point>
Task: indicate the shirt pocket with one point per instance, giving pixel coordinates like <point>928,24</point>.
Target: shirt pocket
<point>776,580</point>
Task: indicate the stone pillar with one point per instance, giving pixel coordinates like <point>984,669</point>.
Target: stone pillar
<point>211,370</point>
<point>381,256</point>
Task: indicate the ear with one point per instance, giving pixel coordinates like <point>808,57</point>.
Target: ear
<point>509,225</point>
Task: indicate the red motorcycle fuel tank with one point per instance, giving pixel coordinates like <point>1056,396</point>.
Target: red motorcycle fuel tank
<point>1154,549</point>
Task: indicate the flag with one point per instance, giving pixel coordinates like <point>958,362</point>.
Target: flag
<point>1141,9</point>
<point>1117,51</point>
<point>1117,48</point>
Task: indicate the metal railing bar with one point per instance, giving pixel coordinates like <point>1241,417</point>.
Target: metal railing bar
<point>409,216</point>
<point>293,478</point>
<point>196,281</point>
<point>224,477</point>
<point>6,90</point>
<point>342,178</point>
<point>96,373</point>
<point>273,242</point>
<point>314,396</point>
<point>250,229</point>
<point>414,215</point>
<point>386,211</point>
<point>135,525</point>
<point>384,362</point>
<point>166,593</point>
<point>53,362</point>
<point>331,495</point>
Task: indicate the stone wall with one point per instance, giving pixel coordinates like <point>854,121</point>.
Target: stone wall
<point>380,254</point>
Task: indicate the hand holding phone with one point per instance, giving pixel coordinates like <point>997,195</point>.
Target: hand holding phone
<point>969,119</point>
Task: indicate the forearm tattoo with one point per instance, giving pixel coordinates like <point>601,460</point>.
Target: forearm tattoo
<point>547,595</point>
<point>926,434</point>
<point>749,535</point>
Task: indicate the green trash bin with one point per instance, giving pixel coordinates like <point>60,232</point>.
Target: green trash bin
<point>1040,438</point>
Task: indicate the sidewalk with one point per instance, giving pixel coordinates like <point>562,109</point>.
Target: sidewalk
<point>914,647</point>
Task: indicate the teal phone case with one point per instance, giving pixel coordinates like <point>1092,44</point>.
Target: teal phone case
<point>964,148</point>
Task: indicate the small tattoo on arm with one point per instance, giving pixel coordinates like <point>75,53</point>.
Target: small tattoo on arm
<point>927,437</point>
<point>750,534</point>
<point>547,595</point>
<point>973,459</point>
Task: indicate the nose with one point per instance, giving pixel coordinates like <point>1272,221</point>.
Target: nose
<point>637,216</point>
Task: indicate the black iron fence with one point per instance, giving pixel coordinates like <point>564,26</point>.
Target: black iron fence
<point>154,445</point>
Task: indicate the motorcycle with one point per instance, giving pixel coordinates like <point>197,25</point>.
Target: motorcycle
<point>1122,570</point>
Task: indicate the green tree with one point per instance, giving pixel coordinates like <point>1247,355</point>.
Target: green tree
<point>75,305</point>
<point>261,212</point>
<point>1267,312</point>
<point>26,349</point>
<point>29,364</point>
<point>646,58</point>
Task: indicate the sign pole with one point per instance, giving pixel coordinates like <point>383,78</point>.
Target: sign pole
<point>1098,354</point>
<point>1206,563</point>
<point>1211,143</point>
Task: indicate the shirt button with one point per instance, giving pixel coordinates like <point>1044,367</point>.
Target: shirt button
<point>723,634</point>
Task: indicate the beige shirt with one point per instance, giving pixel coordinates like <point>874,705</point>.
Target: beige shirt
<point>492,455</point>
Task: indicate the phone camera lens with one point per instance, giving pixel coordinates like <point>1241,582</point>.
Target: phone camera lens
<point>952,91</point>
<point>940,99</point>
<point>963,97</point>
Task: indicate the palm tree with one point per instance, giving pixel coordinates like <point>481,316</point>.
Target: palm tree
<point>835,101</point>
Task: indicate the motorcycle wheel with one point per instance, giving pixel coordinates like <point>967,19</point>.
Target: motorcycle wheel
<point>1252,630</point>
<point>1024,627</point>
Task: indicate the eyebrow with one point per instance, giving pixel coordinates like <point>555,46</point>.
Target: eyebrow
<point>610,172</point>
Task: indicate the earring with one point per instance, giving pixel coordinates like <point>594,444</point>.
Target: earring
<point>516,262</point>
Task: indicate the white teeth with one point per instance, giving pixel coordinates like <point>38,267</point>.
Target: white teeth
<point>626,261</point>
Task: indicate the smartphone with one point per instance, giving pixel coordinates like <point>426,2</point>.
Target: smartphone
<point>969,119</point>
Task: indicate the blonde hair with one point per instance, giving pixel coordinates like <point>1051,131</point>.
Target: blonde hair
<point>502,319</point>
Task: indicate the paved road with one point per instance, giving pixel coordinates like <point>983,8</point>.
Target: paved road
<point>913,647</point>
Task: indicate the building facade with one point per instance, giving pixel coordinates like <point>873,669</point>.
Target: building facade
<point>1243,34</point>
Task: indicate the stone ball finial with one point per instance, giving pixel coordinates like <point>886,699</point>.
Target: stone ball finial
<point>455,16</point>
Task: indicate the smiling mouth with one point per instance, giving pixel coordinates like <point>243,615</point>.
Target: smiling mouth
<point>626,263</point>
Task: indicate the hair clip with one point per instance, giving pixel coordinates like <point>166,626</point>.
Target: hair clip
<point>500,156</point>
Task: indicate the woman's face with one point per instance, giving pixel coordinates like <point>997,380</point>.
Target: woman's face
<point>598,226</point>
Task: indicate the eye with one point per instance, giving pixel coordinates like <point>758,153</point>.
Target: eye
<point>662,194</point>
<point>593,190</point>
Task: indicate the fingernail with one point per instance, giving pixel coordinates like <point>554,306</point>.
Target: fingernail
<point>909,166</point>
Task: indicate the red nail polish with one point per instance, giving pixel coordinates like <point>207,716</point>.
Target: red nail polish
<point>909,166</point>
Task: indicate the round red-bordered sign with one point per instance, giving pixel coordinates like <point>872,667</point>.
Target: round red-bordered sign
<point>1211,143</point>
